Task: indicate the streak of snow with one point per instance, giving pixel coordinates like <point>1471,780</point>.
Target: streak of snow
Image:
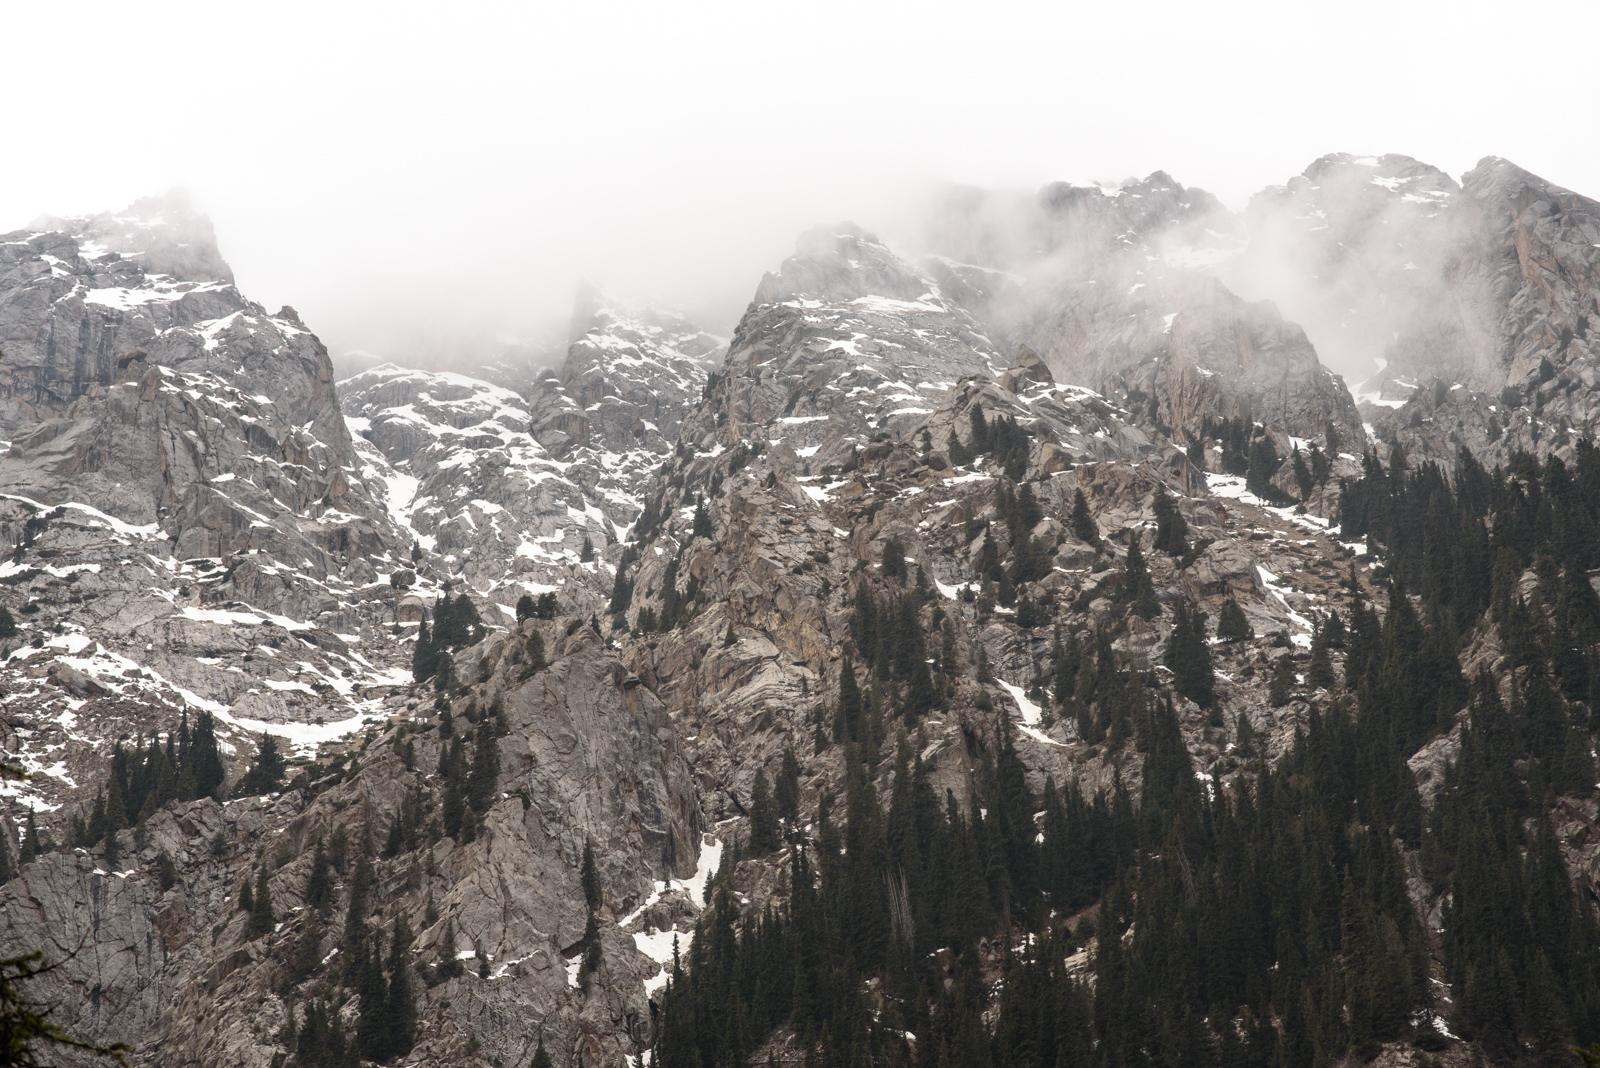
<point>1030,714</point>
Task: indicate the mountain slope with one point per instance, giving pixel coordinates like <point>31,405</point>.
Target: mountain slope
<point>917,704</point>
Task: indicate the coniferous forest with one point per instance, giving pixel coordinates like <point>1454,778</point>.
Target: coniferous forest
<point>1306,912</point>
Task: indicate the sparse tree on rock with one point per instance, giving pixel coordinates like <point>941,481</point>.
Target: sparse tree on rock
<point>763,819</point>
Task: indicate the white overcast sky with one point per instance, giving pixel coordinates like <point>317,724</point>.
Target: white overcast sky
<point>408,175</point>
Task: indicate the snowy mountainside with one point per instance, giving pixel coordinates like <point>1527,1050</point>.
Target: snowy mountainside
<point>1465,306</point>
<point>628,379</point>
<point>1509,361</point>
<point>471,487</point>
<point>1358,249</point>
<point>185,523</point>
<point>848,341</point>
<point>922,525</point>
<point>80,294</point>
<point>503,491</point>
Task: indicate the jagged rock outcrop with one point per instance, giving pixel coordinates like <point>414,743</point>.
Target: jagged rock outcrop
<point>848,341</point>
<point>1469,304</point>
<point>185,523</point>
<point>484,500</point>
<point>78,295</point>
<point>1113,288</point>
<point>503,491</point>
<point>629,377</point>
<point>806,471</point>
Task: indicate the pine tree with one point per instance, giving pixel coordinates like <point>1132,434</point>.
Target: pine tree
<point>763,819</point>
<point>261,918</point>
<point>894,559</point>
<point>702,521</point>
<point>424,657</point>
<point>525,609</point>
<point>1282,682</point>
<point>1264,463</point>
<point>1319,675</point>
<point>980,430</point>
<point>960,455</point>
<point>787,794</point>
<point>585,553</point>
<point>1137,588</point>
<point>485,774</point>
<point>308,947</point>
<point>8,623</point>
<point>1188,657</point>
<point>1172,530</point>
<point>621,592</point>
<point>402,1002</point>
<point>266,774</point>
<point>847,718</point>
<point>534,655</point>
<point>1302,474</point>
<point>373,1026</point>
<point>166,871</point>
<point>452,809</point>
<point>1084,528</point>
<point>590,877</point>
<point>29,847</point>
<point>1231,624</point>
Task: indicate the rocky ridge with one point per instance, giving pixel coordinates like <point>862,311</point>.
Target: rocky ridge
<point>836,457</point>
<point>1115,288</point>
<point>502,491</point>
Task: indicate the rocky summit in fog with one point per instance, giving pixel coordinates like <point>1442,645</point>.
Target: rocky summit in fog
<point>1024,649</point>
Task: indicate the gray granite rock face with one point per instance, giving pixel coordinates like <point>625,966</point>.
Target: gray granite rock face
<point>179,502</point>
<point>79,295</point>
<point>592,751</point>
<point>614,406</point>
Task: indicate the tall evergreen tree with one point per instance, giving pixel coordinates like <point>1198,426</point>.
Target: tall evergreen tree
<point>590,877</point>
<point>424,656</point>
<point>1188,656</point>
<point>786,796</point>
<point>763,817</point>
<point>1084,528</point>
<point>1231,624</point>
<point>1282,681</point>
<point>1172,530</point>
<point>374,1028</point>
<point>262,919</point>
<point>485,774</point>
<point>1137,588</point>
<point>402,1002</point>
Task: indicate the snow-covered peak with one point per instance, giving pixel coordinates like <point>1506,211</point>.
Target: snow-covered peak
<point>163,235</point>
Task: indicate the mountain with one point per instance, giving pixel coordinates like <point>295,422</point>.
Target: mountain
<point>1018,651</point>
<point>1470,303</point>
<point>188,526</point>
<point>504,491</point>
<point>1114,288</point>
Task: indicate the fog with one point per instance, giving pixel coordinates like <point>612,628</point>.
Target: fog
<point>419,180</point>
